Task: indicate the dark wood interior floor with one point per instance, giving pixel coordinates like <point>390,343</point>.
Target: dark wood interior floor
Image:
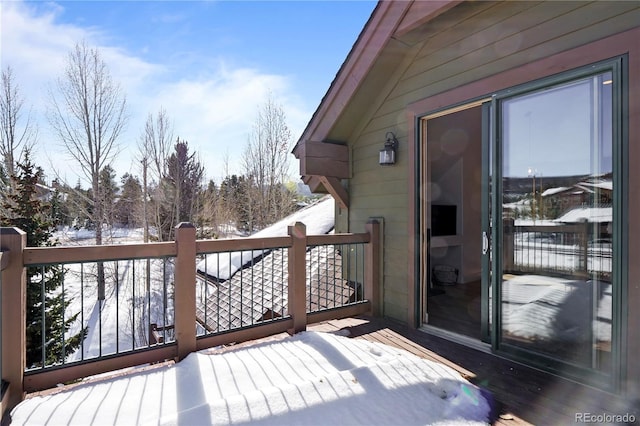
<point>456,308</point>
<point>522,395</point>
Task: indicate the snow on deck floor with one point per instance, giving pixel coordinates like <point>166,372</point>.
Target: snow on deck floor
<point>310,378</point>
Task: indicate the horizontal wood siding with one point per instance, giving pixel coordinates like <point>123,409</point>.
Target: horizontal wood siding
<point>543,36</point>
<point>465,44</point>
<point>382,191</point>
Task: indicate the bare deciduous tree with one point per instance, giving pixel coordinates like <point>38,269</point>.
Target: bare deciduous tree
<point>154,149</point>
<point>17,134</point>
<point>266,162</point>
<point>88,114</point>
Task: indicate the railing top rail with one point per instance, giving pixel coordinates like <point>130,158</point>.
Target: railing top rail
<point>93,253</point>
<point>346,238</point>
<point>241,244</point>
<point>76,254</point>
<point>574,227</point>
<point>252,243</point>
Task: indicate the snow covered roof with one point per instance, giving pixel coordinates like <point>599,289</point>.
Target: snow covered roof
<point>552,191</point>
<point>318,218</point>
<point>590,214</point>
<point>608,185</point>
<point>260,292</point>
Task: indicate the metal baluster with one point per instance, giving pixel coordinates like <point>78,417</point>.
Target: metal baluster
<point>133,317</point>
<point>165,302</point>
<point>64,312</point>
<point>117,309</point>
<point>359,296</point>
<point>252,287</point>
<point>262,311</point>
<point>337,260</point>
<point>218,293</point>
<point>148,321</point>
<point>81,311</point>
<point>328,279</point>
<point>99,323</point>
<point>43,321</point>
<point>229,293</point>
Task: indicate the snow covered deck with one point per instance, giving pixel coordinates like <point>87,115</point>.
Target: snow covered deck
<point>319,377</point>
<point>120,325</point>
<point>309,378</point>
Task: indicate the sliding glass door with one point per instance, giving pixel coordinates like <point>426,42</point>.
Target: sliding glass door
<point>543,226</point>
<point>556,231</point>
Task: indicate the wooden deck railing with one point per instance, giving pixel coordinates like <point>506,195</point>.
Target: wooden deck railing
<point>16,257</point>
<point>577,250</point>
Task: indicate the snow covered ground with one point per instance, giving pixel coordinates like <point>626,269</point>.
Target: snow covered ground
<point>136,295</point>
<point>310,378</point>
<point>121,321</point>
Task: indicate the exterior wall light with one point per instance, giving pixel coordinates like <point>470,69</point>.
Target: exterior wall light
<point>388,153</point>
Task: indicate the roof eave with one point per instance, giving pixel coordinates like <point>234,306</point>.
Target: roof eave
<point>390,19</point>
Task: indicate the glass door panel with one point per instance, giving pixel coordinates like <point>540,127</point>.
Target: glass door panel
<point>556,241</point>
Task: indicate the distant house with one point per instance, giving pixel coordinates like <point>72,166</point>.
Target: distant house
<point>562,199</point>
<point>44,192</point>
<point>476,108</point>
<point>244,288</point>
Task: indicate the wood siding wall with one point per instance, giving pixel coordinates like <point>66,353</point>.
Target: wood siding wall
<point>470,42</point>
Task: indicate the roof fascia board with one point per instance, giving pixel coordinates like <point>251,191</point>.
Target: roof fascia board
<point>389,19</point>
<point>384,92</point>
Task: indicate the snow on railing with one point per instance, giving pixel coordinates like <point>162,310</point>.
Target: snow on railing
<point>118,306</point>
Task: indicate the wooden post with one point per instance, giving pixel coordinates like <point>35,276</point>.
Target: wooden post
<point>373,266</point>
<point>185,289</point>
<point>14,301</point>
<point>297,303</point>
<point>508,236</point>
<point>583,244</point>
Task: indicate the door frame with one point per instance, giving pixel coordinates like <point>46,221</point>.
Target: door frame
<point>623,43</point>
<point>424,202</point>
<point>491,154</point>
<point>618,67</point>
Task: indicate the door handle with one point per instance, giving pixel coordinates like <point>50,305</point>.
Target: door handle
<point>485,242</point>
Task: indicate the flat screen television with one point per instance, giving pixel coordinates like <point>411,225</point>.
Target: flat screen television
<point>444,218</point>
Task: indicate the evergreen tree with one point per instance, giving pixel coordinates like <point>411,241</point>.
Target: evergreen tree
<point>108,194</point>
<point>181,188</point>
<point>128,207</point>
<point>22,209</point>
<point>234,197</point>
<point>60,213</point>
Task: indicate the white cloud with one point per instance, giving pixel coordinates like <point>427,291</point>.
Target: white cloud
<point>214,111</point>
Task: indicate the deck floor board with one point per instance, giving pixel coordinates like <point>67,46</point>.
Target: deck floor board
<point>523,395</point>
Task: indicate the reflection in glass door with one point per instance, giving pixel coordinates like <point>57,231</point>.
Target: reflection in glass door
<point>557,239</point>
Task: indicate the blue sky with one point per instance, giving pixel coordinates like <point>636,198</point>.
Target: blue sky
<point>211,64</point>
